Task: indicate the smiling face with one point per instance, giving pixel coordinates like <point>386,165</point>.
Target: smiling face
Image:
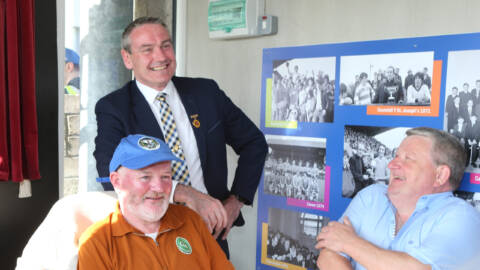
<point>152,57</point>
<point>287,244</point>
<point>473,119</point>
<point>275,240</point>
<point>363,81</point>
<point>412,171</point>
<point>381,151</point>
<point>454,91</point>
<point>418,82</point>
<point>390,73</point>
<point>143,194</point>
<point>470,103</point>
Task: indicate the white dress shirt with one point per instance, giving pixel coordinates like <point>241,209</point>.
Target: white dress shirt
<point>184,129</point>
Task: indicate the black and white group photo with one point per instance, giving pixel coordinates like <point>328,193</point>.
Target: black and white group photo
<point>462,103</point>
<point>295,168</point>
<point>303,89</point>
<point>367,152</point>
<point>291,236</point>
<point>386,79</point>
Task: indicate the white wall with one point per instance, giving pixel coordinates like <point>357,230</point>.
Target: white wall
<point>72,24</point>
<point>236,64</point>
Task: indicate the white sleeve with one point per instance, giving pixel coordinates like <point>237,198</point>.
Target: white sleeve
<point>174,186</point>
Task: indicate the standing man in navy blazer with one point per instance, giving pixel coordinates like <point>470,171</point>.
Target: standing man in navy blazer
<point>206,120</point>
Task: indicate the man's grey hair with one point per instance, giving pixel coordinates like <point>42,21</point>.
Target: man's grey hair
<point>446,150</point>
<point>136,23</point>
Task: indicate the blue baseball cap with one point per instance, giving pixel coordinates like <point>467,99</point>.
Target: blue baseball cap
<point>71,56</point>
<point>139,151</point>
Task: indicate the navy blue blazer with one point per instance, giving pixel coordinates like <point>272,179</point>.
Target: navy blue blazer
<point>125,111</point>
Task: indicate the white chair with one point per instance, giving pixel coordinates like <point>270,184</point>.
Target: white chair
<point>54,245</point>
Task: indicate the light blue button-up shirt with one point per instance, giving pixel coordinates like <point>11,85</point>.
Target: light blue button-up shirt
<point>443,231</point>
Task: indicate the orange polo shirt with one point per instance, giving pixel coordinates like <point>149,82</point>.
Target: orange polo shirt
<point>183,242</point>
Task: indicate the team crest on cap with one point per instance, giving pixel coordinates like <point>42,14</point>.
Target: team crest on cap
<point>183,245</point>
<point>148,143</point>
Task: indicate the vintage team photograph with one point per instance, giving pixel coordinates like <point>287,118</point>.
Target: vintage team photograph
<point>367,152</point>
<point>291,236</point>
<point>462,103</point>
<point>295,168</point>
<point>386,79</point>
<point>303,89</point>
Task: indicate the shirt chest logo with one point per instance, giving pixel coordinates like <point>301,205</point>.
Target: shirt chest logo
<point>183,245</point>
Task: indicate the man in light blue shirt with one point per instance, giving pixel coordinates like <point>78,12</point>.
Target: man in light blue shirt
<point>415,222</point>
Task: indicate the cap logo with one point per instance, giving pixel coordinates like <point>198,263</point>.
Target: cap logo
<point>148,143</point>
<point>183,245</point>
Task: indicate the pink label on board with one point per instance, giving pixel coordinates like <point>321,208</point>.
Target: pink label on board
<point>311,204</point>
<point>475,178</point>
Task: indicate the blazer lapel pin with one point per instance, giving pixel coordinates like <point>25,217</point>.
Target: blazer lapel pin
<point>195,121</point>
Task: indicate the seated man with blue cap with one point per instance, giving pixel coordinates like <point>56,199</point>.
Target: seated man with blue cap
<point>145,232</point>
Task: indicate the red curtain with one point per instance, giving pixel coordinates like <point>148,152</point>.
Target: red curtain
<point>18,114</point>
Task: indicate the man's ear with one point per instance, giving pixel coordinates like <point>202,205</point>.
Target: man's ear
<point>69,66</point>
<point>115,179</point>
<point>442,174</point>
<point>127,61</point>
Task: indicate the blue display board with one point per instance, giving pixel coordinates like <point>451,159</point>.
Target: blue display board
<point>333,116</point>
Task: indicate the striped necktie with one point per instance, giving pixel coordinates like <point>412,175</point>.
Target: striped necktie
<point>179,169</point>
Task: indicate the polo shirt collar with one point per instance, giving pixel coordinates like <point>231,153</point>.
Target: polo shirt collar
<point>120,226</point>
<point>427,200</point>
